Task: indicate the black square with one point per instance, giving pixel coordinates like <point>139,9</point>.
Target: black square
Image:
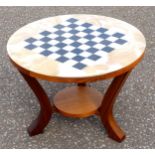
<point>104,36</point>
<point>89,36</point>
<point>86,25</point>
<point>88,30</point>
<point>31,40</point>
<point>59,26</point>
<point>46,53</point>
<point>102,30</point>
<point>72,20</point>
<point>61,45</point>
<point>73,32</point>
<point>72,26</point>
<point>92,50</point>
<point>120,41</point>
<point>75,38</point>
<point>79,66</point>
<point>59,32</point>
<point>45,39</point>
<point>45,33</point>
<point>60,38</point>
<point>62,59</point>
<point>90,43</point>
<point>108,49</point>
<point>77,51</point>
<point>61,52</point>
<point>106,42</point>
<point>76,44</point>
<point>78,58</point>
<point>46,46</point>
<point>94,57</point>
<point>118,35</point>
<point>30,46</point>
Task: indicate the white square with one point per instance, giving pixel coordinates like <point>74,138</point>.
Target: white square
<point>69,48</point>
<point>53,36</point>
<point>66,29</point>
<point>103,59</point>
<point>79,22</point>
<point>38,36</point>
<point>99,46</point>
<point>81,34</point>
<point>126,37</point>
<point>115,45</point>
<point>38,43</point>
<point>70,62</point>
<point>38,50</point>
<point>85,54</point>
<point>52,29</point>
<point>24,43</point>
<point>113,39</point>
<point>88,62</point>
<point>93,27</point>
<point>80,28</point>
<point>54,56</point>
<point>67,35</point>
<point>102,54</point>
<point>112,31</point>
<point>84,47</point>
<point>54,49</point>
<point>67,41</point>
<point>97,39</point>
<point>70,55</point>
<point>66,23</point>
<point>95,33</point>
<point>83,40</point>
<point>53,42</point>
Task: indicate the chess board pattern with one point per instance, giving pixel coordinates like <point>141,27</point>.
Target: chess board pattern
<point>75,42</point>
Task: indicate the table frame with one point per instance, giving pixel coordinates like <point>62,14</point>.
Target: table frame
<point>105,111</point>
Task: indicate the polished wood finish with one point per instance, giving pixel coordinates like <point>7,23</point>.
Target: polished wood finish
<point>44,117</point>
<point>78,101</point>
<point>106,110</point>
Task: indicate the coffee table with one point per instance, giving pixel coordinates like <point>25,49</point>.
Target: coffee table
<point>77,49</point>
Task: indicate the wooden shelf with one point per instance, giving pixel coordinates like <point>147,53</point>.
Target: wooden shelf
<point>78,101</point>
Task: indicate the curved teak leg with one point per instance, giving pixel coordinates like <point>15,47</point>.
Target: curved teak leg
<point>44,117</point>
<point>81,84</point>
<point>114,131</point>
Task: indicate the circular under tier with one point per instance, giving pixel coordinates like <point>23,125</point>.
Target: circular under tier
<point>78,101</point>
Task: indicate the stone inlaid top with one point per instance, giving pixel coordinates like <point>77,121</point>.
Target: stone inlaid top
<point>76,46</point>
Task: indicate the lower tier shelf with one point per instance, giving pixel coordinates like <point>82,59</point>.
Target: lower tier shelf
<point>78,101</point>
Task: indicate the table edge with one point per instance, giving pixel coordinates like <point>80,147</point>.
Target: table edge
<point>78,79</point>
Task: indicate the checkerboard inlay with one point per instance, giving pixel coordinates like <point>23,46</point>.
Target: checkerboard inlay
<point>75,41</point>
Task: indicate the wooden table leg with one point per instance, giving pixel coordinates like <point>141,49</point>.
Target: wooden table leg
<point>106,109</point>
<point>81,84</point>
<point>38,125</point>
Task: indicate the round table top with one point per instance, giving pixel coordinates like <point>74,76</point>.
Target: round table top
<point>76,47</point>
